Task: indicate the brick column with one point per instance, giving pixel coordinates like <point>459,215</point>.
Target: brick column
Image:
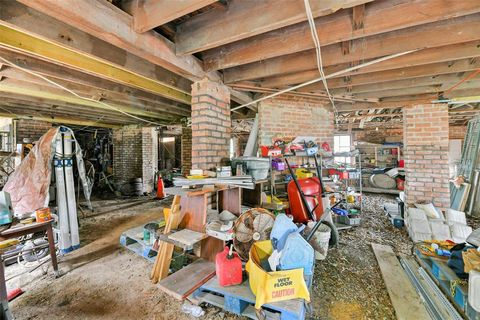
<point>186,150</point>
<point>425,137</point>
<point>211,124</point>
<point>135,155</point>
<point>149,157</point>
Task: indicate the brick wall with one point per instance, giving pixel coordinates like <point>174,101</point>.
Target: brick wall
<point>186,149</point>
<point>211,124</point>
<point>31,129</point>
<point>381,136</point>
<point>149,157</point>
<point>135,155</point>
<point>426,154</point>
<point>291,116</point>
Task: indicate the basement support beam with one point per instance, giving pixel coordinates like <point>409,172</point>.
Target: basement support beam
<point>244,19</point>
<point>62,120</point>
<point>374,18</point>
<point>149,14</point>
<point>418,38</point>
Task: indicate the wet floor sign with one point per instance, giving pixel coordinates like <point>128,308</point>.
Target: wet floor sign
<point>275,285</point>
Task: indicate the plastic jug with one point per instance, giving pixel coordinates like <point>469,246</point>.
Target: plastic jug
<point>228,267</point>
<point>282,227</point>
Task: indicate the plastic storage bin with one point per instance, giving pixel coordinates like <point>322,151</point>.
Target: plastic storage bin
<point>256,167</point>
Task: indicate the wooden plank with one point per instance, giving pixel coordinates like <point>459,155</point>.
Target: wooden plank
<point>186,280</point>
<point>243,19</point>
<point>107,22</point>
<point>187,237</point>
<point>60,95</point>
<point>165,250</point>
<point>61,120</point>
<point>421,37</point>
<point>380,17</point>
<point>67,75</point>
<point>432,69</point>
<point>195,211</point>
<point>426,56</point>
<point>405,299</point>
<point>149,14</point>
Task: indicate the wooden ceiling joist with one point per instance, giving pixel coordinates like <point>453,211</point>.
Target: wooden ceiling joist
<point>244,19</point>
<point>104,21</point>
<point>107,22</point>
<point>62,120</point>
<point>18,40</point>
<point>379,17</point>
<point>149,14</point>
<point>57,72</point>
<point>20,78</point>
<point>448,53</point>
<point>417,38</point>
<point>433,69</point>
<point>55,95</point>
<point>444,81</point>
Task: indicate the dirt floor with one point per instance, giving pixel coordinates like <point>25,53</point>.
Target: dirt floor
<point>102,280</point>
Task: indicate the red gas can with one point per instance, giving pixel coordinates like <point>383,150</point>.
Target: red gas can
<point>228,267</point>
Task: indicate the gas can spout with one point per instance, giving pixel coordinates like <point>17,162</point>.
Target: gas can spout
<point>230,252</point>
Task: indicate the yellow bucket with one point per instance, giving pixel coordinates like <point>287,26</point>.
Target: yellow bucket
<point>276,285</point>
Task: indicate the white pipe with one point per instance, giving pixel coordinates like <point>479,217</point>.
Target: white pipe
<point>335,74</point>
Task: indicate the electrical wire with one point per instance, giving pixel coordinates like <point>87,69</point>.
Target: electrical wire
<point>316,40</point>
<point>76,94</point>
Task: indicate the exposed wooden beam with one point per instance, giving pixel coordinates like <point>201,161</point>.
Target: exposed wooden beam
<point>66,75</point>
<point>150,14</point>
<point>432,69</point>
<point>431,90</point>
<point>90,91</point>
<point>106,29</point>
<point>62,120</point>
<point>24,42</point>
<point>107,22</point>
<point>23,18</point>
<point>19,107</point>
<point>56,95</point>
<point>446,79</point>
<point>425,36</point>
<point>379,17</point>
<point>243,19</point>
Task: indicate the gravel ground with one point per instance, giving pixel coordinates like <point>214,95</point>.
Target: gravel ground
<point>349,284</point>
<point>104,281</point>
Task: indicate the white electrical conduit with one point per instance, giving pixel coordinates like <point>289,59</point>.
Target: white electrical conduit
<point>316,40</point>
<point>335,74</point>
<point>76,94</point>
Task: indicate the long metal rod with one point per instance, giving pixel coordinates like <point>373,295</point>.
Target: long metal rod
<point>332,75</point>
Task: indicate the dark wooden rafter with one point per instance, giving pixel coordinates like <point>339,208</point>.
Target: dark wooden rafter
<point>379,17</point>
<point>244,19</point>
<point>418,38</point>
<point>149,14</point>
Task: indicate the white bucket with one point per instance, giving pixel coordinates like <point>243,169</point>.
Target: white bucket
<point>320,241</point>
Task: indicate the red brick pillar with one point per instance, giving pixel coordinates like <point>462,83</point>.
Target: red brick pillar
<point>425,137</point>
<point>186,150</point>
<point>211,124</point>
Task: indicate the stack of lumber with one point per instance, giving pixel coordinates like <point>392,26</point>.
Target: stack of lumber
<point>237,181</point>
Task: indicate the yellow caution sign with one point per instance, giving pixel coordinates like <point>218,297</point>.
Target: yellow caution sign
<point>275,285</point>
